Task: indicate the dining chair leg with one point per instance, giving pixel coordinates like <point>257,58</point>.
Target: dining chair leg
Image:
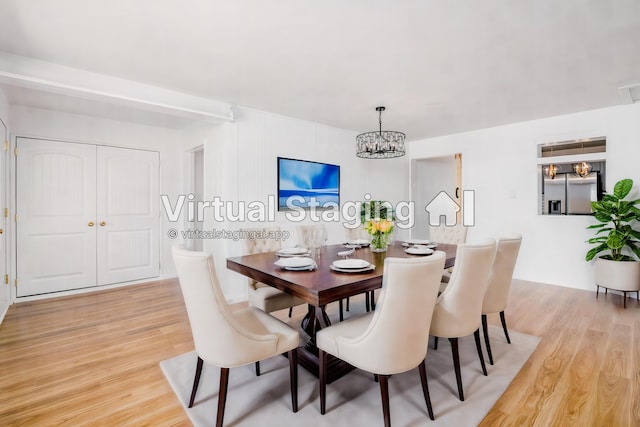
<point>597,290</point>
<point>347,303</point>
<point>222,395</point>
<point>504,326</point>
<point>425,388</point>
<point>290,311</point>
<point>373,300</point>
<point>341,312</point>
<point>435,343</point>
<point>293,373</point>
<point>322,355</point>
<point>375,378</point>
<point>257,368</point>
<point>325,316</point>
<point>384,393</point>
<point>456,366</point>
<point>366,302</point>
<point>486,337</point>
<point>476,335</point>
<point>196,381</point>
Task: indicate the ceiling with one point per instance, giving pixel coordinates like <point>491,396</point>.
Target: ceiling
<point>439,66</point>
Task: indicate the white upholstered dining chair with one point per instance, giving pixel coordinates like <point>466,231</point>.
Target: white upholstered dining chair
<point>458,308</point>
<point>304,231</point>
<point>394,338</point>
<point>354,235</point>
<point>495,299</point>
<point>452,235</point>
<point>262,296</point>
<point>265,297</point>
<point>226,338</point>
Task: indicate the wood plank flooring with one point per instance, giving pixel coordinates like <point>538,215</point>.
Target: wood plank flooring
<point>92,359</point>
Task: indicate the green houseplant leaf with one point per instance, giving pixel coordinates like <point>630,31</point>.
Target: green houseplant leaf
<point>622,188</point>
<point>616,218</point>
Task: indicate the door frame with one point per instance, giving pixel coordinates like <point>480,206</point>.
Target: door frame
<point>190,187</point>
<point>6,288</point>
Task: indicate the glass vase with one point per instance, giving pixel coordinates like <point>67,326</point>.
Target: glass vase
<point>380,242</point>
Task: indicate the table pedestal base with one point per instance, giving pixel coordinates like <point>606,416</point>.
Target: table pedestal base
<point>316,319</point>
<point>309,360</point>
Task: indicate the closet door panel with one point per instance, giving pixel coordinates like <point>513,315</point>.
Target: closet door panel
<point>128,215</point>
<point>56,211</point>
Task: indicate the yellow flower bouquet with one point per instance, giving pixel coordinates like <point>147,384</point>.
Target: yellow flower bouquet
<point>377,219</point>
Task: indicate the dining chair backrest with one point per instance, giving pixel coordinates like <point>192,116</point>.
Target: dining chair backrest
<point>460,305</point>
<point>397,336</point>
<point>260,240</point>
<point>304,230</point>
<point>358,233</point>
<point>495,299</point>
<point>218,338</point>
<point>453,235</point>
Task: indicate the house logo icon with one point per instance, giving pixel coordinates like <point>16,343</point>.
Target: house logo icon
<point>443,205</point>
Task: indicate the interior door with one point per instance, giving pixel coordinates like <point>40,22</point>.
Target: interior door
<point>55,216</point>
<point>128,215</point>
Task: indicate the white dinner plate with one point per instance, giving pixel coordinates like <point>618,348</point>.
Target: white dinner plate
<point>348,264</point>
<point>358,242</point>
<point>369,267</point>
<point>306,268</point>
<point>417,242</point>
<point>295,262</point>
<point>419,250</point>
<point>292,251</point>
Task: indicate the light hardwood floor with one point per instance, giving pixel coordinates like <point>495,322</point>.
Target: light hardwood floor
<point>93,359</point>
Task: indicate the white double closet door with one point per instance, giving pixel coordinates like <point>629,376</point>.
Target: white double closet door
<point>87,215</point>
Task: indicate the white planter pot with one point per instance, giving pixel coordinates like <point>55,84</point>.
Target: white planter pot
<point>618,275</point>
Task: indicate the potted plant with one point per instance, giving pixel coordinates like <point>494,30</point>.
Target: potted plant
<point>618,268</point>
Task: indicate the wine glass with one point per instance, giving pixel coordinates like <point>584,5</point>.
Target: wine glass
<point>316,240</point>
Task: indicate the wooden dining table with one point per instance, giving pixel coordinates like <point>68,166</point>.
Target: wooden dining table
<point>322,286</point>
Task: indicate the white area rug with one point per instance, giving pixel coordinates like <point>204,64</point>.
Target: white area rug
<point>354,400</point>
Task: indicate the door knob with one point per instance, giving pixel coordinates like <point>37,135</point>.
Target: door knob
<point>102,223</point>
<point>90,224</point>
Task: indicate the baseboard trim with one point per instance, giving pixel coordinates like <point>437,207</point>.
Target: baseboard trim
<point>90,289</point>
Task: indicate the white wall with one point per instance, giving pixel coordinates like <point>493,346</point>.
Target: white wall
<point>78,128</point>
<point>4,106</point>
<point>500,165</point>
<point>240,165</point>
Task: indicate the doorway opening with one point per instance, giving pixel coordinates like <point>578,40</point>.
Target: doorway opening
<point>196,187</point>
<point>429,177</point>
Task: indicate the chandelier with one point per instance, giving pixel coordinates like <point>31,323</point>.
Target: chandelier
<point>380,144</point>
<point>582,169</point>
